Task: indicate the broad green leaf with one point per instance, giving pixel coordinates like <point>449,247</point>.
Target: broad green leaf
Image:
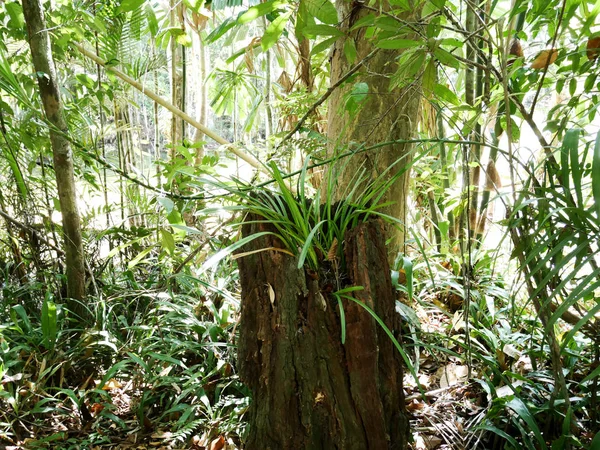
<point>324,45</point>
<point>129,5</point>
<point>152,20</point>
<point>86,80</point>
<point>15,12</point>
<point>429,78</point>
<point>321,30</point>
<point>259,11</point>
<point>395,44</point>
<point>167,241</point>
<point>350,51</point>
<point>303,20</point>
<point>274,30</point>
<point>175,218</point>
<point>365,21</point>
<point>446,58</point>
<point>407,265</point>
<point>166,203</point>
<point>595,445</point>
<point>445,94</point>
<point>49,323</point>
<point>322,10</point>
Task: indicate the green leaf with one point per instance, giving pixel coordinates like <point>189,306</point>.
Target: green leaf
<point>517,405</point>
<point>174,218</point>
<point>595,445</point>
<point>358,95</point>
<point>19,310</point>
<point>408,270</point>
<point>259,10</point>
<point>446,58</point>
<point>86,80</point>
<point>218,32</point>
<point>324,45</point>
<point>429,78</point>
<point>217,257</point>
<point>443,93</point>
<point>321,30</point>
<point>167,358</point>
<point>394,44</point>
<point>167,241</point>
<point>274,30</point>
<point>596,176</point>
<point>401,4</point>
<point>194,5</point>
<point>323,10</point>
<point>152,20</point>
<point>15,12</point>
<point>49,323</point>
<point>135,261</point>
<point>129,5</point>
<point>350,51</point>
<point>166,203</point>
<point>365,21</point>
<point>308,244</point>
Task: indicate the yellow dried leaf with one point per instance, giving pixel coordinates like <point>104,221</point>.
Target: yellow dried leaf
<point>544,59</point>
<point>111,384</point>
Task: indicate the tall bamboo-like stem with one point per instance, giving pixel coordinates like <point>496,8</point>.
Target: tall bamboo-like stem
<point>157,156</point>
<point>102,143</point>
<point>446,169</point>
<point>203,106</point>
<point>176,80</point>
<point>267,91</point>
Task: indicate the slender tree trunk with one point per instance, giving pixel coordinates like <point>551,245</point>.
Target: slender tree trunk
<point>39,42</point>
<point>177,94</point>
<point>203,106</point>
<point>310,391</point>
<point>383,117</point>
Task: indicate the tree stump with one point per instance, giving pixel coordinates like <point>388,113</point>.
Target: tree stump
<point>309,391</point>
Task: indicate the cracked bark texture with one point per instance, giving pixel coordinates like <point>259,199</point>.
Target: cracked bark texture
<point>308,390</point>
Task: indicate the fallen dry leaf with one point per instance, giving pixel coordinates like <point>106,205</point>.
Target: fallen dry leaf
<point>111,384</point>
<point>217,444</point>
<point>544,59</point>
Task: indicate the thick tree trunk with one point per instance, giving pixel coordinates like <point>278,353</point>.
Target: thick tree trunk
<point>310,391</point>
<point>43,62</point>
<point>384,116</point>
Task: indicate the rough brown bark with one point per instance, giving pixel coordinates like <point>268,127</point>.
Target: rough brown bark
<point>39,42</point>
<point>308,390</point>
<point>384,116</point>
